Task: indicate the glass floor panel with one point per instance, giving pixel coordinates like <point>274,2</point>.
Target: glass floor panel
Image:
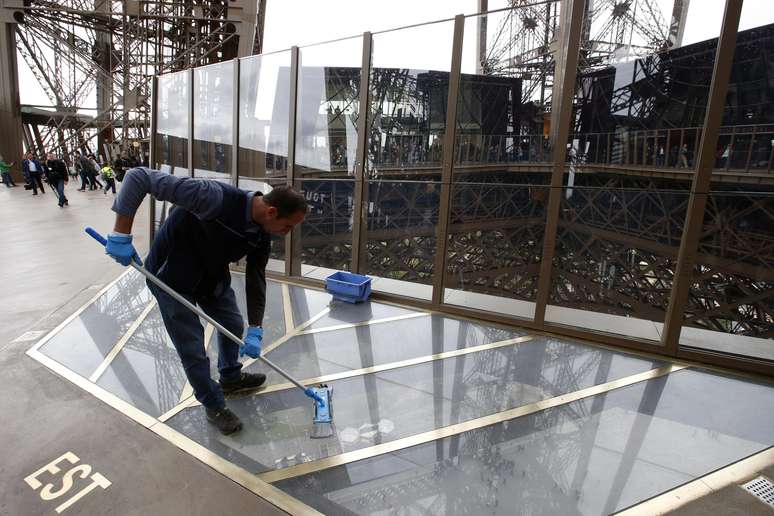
<point>392,404</point>
<point>317,354</point>
<point>84,342</point>
<point>593,456</point>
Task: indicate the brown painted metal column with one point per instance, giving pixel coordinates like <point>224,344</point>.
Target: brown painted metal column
<point>571,22</point>
<point>191,101</point>
<point>10,110</point>
<point>152,149</point>
<point>235,127</point>
<point>447,166</point>
<point>724,57</point>
<point>359,201</point>
<point>293,240</point>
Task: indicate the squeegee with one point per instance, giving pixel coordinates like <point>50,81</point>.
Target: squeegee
<point>321,394</point>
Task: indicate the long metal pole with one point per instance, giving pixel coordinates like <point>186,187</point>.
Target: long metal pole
<point>360,194</point>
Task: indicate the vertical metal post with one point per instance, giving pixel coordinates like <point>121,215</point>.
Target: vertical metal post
<point>680,148</point>
<point>152,149</point>
<point>447,165</point>
<point>609,159</point>
<point>191,103</point>
<point>360,194</point>
<point>293,240</point>
<point>668,149</point>
<point>694,221</point>
<point>571,22</point>
<point>235,127</point>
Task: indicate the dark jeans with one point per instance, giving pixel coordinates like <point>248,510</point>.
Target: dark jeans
<point>187,335</point>
<point>84,179</point>
<point>60,191</point>
<point>36,182</point>
<point>110,183</point>
<point>8,180</point>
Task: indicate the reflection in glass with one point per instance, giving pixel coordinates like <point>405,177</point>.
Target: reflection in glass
<point>172,112</point>
<point>382,407</point>
<point>594,456</point>
<point>402,217</point>
<point>730,299</point>
<point>326,233</point>
<point>264,107</point>
<point>495,247</point>
<point>328,108</point>
<point>616,251</point>
<point>213,120</point>
<point>84,342</point>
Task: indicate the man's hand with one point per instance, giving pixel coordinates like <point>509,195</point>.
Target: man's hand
<point>253,342</point>
<point>119,247</point>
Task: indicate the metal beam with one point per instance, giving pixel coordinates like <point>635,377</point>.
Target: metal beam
<point>700,189</point>
<point>360,200</point>
<point>571,23</point>
<point>10,114</point>
<point>293,239</point>
<point>447,168</point>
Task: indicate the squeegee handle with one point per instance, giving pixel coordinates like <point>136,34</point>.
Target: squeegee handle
<point>198,311</point>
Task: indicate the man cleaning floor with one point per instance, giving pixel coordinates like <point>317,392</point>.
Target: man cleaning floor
<point>212,225</point>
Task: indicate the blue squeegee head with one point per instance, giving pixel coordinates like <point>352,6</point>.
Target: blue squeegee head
<point>323,412</point>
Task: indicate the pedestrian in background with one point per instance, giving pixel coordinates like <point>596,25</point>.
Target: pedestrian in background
<point>5,169</point>
<point>32,170</point>
<point>109,176</point>
<point>57,177</point>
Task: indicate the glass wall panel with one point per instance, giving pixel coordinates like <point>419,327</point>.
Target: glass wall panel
<point>213,121</point>
<point>328,108</point>
<point>326,234</point>
<point>502,161</point>
<point>732,288</point>
<point>172,112</point>
<point>731,296</point>
<point>264,113</point>
<point>642,91</point>
<point>402,218</point>
<point>616,252</point>
<point>408,95</point>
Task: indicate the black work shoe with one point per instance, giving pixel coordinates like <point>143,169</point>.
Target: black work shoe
<point>246,382</point>
<point>225,420</point>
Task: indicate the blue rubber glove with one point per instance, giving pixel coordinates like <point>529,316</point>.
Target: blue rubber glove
<point>119,247</point>
<point>253,342</point>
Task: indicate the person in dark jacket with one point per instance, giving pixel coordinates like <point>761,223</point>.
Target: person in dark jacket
<point>32,172</point>
<point>82,166</point>
<point>57,177</point>
<point>213,225</point>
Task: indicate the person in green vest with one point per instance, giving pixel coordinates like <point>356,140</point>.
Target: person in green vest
<point>110,179</point>
<point>5,170</point>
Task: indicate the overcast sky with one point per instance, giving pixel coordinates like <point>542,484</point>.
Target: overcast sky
<point>303,22</point>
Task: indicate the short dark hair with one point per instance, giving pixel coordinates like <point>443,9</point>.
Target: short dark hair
<point>286,200</point>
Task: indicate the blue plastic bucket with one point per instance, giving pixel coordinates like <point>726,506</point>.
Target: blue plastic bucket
<point>345,286</point>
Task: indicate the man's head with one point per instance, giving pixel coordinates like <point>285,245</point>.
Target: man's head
<point>279,210</point>
<point>51,156</point>
<point>29,155</point>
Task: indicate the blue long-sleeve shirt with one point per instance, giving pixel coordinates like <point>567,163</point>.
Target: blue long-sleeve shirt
<point>203,198</point>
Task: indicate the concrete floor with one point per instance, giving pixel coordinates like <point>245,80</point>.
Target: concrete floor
<point>50,268</point>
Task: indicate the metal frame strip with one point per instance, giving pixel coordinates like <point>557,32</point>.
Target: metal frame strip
<point>292,259</point>
<point>191,101</point>
<point>287,307</point>
<point>235,126</point>
<point>456,429</point>
<point>361,193</point>
<point>113,353</point>
<point>447,170</point>
<point>152,152</point>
